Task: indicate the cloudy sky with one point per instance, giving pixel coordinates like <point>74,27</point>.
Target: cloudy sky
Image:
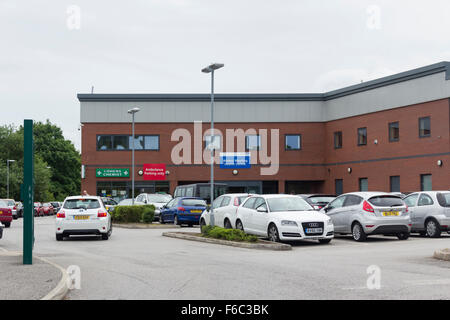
<point>52,50</point>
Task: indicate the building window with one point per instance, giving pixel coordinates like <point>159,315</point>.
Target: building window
<point>338,140</point>
<point>362,136</point>
<point>339,186</point>
<point>394,132</point>
<point>394,183</point>
<point>424,127</point>
<point>293,142</point>
<point>252,142</point>
<point>125,142</point>
<point>425,182</point>
<point>216,142</point>
<point>363,184</point>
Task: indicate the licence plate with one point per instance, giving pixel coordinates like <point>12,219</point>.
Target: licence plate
<point>196,211</point>
<point>390,213</point>
<point>80,217</point>
<point>314,230</point>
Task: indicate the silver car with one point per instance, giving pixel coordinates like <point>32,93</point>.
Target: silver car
<point>369,213</point>
<point>157,199</point>
<point>430,212</point>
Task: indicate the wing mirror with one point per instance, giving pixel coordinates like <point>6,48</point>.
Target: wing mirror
<point>261,209</point>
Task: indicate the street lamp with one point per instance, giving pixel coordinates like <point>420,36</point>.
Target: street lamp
<point>210,69</point>
<point>132,112</point>
<point>7,177</point>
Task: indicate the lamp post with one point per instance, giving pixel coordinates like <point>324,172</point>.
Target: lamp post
<point>132,112</point>
<point>7,177</point>
<point>210,69</point>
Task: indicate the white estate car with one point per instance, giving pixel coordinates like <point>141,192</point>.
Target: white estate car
<point>283,217</point>
<point>225,209</point>
<point>83,215</point>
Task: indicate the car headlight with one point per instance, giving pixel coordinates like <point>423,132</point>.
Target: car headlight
<point>329,222</point>
<point>288,223</point>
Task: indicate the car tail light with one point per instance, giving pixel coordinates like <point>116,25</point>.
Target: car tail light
<point>102,214</point>
<point>9,211</point>
<point>14,208</point>
<point>407,209</point>
<point>61,214</point>
<point>367,207</point>
<point>181,209</point>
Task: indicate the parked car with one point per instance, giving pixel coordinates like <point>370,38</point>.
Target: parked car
<point>109,203</point>
<point>47,209</point>
<point>19,208</point>
<point>281,217</point>
<point>83,215</point>
<point>183,210</point>
<point>430,212</point>
<point>156,199</point>
<point>5,214</point>
<point>126,202</point>
<point>38,209</point>
<point>369,213</point>
<point>225,209</point>
<point>318,201</point>
<point>12,205</point>
<point>200,190</point>
<point>56,206</point>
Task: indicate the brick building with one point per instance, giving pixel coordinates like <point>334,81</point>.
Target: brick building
<point>389,134</point>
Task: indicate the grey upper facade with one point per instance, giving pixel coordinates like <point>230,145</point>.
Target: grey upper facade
<point>403,89</point>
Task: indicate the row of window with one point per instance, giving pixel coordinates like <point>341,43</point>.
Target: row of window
<point>394,183</point>
<point>393,132</point>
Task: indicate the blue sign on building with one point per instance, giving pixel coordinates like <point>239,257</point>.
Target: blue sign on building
<point>235,160</point>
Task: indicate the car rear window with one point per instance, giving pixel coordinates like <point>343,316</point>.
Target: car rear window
<point>320,199</point>
<point>11,203</point>
<point>443,199</point>
<point>193,203</point>
<point>3,204</point>
<point>386,201</point>
<point>81,204</point>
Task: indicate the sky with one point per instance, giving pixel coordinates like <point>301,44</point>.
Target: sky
<point>52,50</point>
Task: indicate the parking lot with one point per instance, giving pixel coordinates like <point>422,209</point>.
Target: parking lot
<point>142,264</point>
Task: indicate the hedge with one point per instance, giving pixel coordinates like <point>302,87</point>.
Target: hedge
<point>227,234</point>
<point>129,214</point>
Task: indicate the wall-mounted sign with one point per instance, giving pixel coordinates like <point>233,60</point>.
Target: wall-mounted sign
<point>235,160</point>
<point>154,171</point>
<point>112,172</point>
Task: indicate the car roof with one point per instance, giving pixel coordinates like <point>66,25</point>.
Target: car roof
<point>368,194</point>
<point>83,197</point>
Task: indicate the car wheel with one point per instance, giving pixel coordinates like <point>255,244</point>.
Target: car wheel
<point>273,233</point>
<point>358,233</point>
<point>105,236</point>
<point>423,233</point>
<point>202,225</point>
<point>324,241</point>
<point>15,217</point>
<point>161,219</point>
<point>59,237</point>
<point>7,224</point>
<point>175,221</point>
<point>239,225</point>
<point>433,229</point>
<point>403,236</point>
<point>227,224</point>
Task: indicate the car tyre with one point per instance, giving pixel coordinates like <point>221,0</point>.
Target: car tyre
<point>105,236</point>
<point>358,233</point>
<point>324,241</point>
<point>273,234</point>
<point>161,219</point>
<point>59,237</point>
<point>7,224</point>
<point>239,225</point>
<point>175,221</point>
<point>227,224</point>
<point>433,228</point>
<point>403,236</point>
<point>202,225</point>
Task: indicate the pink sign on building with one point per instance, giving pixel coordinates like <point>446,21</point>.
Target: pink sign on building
<point>154,171</point>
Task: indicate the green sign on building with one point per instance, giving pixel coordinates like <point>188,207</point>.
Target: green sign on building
<point>112,172</point>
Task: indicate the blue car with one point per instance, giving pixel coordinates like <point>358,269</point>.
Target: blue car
<point>183,210</point>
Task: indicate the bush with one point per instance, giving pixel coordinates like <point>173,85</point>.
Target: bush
<point>227,234</point>
<point>129,214</point>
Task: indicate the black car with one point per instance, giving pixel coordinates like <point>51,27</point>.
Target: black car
<point>56,206</point>
<point>318,201</point>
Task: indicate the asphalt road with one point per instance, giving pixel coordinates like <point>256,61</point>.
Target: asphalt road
<point>142,264</point>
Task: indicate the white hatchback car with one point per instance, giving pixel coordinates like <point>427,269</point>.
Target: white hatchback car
<point>83,215</point>
<point>283,217</point>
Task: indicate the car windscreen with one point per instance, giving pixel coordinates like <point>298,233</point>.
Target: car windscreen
<point>55,204</point>
<point>3,204</point>
<point>81,204</point>
<point>321,199</point>
<point>193,203</point>
<point>386,201</point>
<point>241,199</point>
<point>443,199</point>
<point>288,204</point>
<point>159,198</point>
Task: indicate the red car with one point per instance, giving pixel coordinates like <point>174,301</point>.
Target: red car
<point>38,209</point>
<point>48,209</point>
<point>5,214</point>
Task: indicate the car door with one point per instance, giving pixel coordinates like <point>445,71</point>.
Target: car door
<point>216,206</point>
<point>258,220</point>
<point>245,212</point>
<point>423,210</point>
<point>167,212</point>
<point>411,202</point>
<point>334,210</point>
<point>223,210</point>
<point>351,206</point>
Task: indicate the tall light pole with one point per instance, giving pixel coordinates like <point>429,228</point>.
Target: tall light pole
<point>7,177</point>
<point>210,69</point>
<point>132,111</point>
